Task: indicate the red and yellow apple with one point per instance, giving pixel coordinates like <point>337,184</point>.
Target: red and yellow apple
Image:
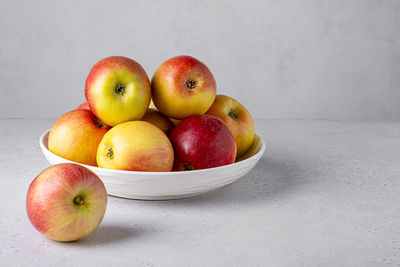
<point>183,86</point>
<point>158,119</point>
<point>66,202</point>
<point>202,141</point>
<point>76,135</point>
<point>118,90</point>
<point>237,118</point>
<point>135,146</point>
<point>84,105</point>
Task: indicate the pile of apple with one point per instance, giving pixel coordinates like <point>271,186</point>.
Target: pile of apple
<point>187,127</point>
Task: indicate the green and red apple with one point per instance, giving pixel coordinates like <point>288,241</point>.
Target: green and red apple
<point>66,202</point>
<point>135,146</point>
<point>238,120</point>
<point>183,86</point>
<point>118,90</point>
<point>76,135</point>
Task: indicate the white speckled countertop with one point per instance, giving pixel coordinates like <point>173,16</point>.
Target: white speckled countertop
<point>325,194</point>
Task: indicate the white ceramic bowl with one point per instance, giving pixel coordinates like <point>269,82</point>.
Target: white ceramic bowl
<point>167,185</point>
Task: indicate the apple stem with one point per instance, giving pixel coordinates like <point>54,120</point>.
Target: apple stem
<point>191,84</point>
<point>110,153</point>
<point>98,123</point>
<point>187,167</point>
<point>120,89</point>
<point>79,201</point>
<point>233,114</point>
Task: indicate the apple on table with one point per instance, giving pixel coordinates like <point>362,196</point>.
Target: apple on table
<point>66,202</point>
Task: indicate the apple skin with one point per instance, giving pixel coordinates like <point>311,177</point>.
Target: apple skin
<point>66,202</point>
<point>118,90</point>
<point>158,119</point>
<point>152,105</point>
<point>202,141</point>
<point>136,146</point>
<point>76,135</point>
<point>183,86</point>
<point>238,120</point>
<point>175,122</point>
<point>84,105</point>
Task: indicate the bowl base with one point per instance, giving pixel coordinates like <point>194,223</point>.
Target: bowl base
<point>156,198</point>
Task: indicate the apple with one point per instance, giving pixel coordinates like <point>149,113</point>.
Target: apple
<point>158,119</point>
<point>183,86</point>
<point>202,141</point>
<point>152,104</point>
<point>253,149</point>
<point>76,135</point>
<point>66,202</point>
<point>136,146</point>
<point>84,105</point>
<point>238,120</point>
<point>118,90</point>
<point>175,122</point>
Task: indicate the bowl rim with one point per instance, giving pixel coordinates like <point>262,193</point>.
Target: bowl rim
<point>171,173</point>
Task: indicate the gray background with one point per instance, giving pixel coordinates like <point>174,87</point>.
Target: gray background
<point>306,59</point>
<point>281,59</point>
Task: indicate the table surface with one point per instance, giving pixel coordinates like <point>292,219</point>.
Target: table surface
<point>325,193</point>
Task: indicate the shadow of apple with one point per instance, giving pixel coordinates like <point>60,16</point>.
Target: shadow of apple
<point>107,234</point>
